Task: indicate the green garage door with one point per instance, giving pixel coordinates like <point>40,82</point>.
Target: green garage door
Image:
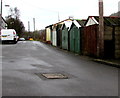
<point>65,39</point>
<point>75,40</point>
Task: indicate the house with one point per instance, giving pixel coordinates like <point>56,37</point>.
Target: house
<point>75,36</point>
<point>111,36</point>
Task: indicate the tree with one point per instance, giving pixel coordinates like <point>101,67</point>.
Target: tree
<point>14,13</point>
<point>14,22</point>
<point>116,14</point>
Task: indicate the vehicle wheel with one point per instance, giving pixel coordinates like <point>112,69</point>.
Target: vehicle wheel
<point>15,42</point>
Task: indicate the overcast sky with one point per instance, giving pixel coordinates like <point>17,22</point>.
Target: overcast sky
<point>46,12</point>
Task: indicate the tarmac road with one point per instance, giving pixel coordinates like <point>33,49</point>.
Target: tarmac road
<point>24,62</point>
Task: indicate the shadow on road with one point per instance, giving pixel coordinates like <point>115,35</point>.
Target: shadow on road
<point>7,43</point>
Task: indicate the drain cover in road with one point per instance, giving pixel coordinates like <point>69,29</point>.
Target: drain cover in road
<point>54,76</point>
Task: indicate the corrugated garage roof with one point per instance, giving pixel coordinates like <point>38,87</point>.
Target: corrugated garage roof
<point>110,21</point>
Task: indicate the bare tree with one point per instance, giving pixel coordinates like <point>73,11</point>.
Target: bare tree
<point>14,13</point>
<point>14,22</point>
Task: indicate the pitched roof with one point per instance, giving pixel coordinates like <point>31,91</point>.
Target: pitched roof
<point>48,26</point>
<point>68,24</point>
<point>78,23</point>
<point>109,21</point>
<point>59,26</point>
<point>81,22</point>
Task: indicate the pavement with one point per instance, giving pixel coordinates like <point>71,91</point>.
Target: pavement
<point>111,62</point>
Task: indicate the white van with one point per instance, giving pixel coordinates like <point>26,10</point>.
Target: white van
<point>8,35</point>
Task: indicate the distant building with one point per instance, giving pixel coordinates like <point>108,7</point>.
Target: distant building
<point>3,23</point>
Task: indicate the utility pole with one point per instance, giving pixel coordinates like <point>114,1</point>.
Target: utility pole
<point>101,31</point>
<point>1,8</point>
<point>1,16</point>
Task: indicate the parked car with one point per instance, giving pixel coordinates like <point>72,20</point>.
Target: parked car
<point>8,35</point>
<point>21,39</point>
<point>31,39</point>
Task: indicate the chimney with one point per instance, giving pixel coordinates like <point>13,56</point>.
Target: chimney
<point>101,31</point>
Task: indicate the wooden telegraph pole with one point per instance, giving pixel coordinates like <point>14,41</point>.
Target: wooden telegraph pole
<point>101,31</point>
<point>1,8</point>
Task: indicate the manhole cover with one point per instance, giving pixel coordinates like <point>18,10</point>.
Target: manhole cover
<point>54,76</point>
<point>11,61</point>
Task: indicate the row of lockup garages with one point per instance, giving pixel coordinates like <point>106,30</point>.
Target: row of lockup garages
<point>81,36</point>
